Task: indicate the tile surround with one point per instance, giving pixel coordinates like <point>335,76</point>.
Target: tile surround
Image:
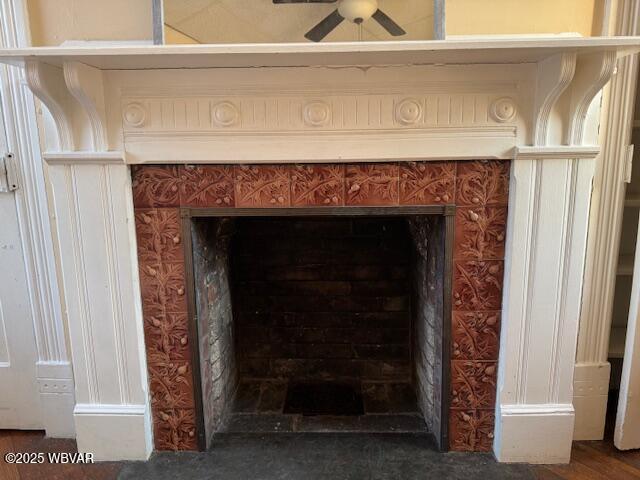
<point>478,188</point>
<point>317,185</point>
<point>372,184</point>
<point>204,186</point>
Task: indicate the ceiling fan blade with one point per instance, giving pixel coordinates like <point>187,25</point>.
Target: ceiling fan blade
<point>280,2</point>
<point>325,27</point>
<point>389,25</point>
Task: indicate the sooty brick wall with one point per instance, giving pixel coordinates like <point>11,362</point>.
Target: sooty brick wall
<point>323,299</point>
<point>211,242</point>
<point>429,241</point>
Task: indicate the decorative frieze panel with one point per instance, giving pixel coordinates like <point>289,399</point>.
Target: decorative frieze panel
<point>298,113</point>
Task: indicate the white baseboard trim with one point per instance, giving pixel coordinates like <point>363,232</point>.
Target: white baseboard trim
<point>534,433</point>
<point>114,432</point>
<point>590,396</point>
<point>55,386</point>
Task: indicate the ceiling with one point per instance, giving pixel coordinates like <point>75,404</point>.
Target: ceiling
<point>260,21</point>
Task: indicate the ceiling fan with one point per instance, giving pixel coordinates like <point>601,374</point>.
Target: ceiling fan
<point>356,11</point>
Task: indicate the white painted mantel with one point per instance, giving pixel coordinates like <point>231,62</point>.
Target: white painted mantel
<point>526,100</point>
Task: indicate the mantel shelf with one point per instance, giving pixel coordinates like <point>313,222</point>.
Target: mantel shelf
<point>490,50</point>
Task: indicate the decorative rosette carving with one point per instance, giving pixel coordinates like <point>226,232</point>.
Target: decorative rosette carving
<point>225,114</point>
<point>134,115</point>
<point>409,111</point>
<point>503,110</point>
<point>316,114</point>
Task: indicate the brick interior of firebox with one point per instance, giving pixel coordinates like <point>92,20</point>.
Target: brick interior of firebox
<point>322,325</point>
<point>322,309</point>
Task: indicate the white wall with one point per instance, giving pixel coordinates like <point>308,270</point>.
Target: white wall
<point>53,22</point>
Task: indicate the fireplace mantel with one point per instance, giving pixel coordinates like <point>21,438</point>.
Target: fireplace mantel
<point>321,103</point>
<point>526,100</point>
<point>479,50</point>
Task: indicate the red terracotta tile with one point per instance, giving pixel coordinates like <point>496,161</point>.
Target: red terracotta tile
<point>483,182</point>
<point>462,430</point>
<point>207,186</point>
<point>164,285</point>
<point>317,185</point>
<point>480,233</point>
<point>170,381</point>
<point>473,384</point>
<point>475,335</point>
<point>159,235</point>
<point>155,186</point>
<point>471,430</point>
<point>175,429</point>
<point>262,186</point>
<point>167,333</point>
<point>427,183</point>
<point>372,184</point>
<point>477,270</point>
<point>152,309</point>
<point>477,285</point>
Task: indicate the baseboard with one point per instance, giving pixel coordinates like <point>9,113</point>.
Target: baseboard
<point>534,433</point>
<point>590,395</point>
<point>114,432</point>
<point>55,386</point>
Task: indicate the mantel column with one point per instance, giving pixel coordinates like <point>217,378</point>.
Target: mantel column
<point>546,240</point>
<point>95,228</point>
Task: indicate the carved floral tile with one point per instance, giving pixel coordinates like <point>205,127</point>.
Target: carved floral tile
<point>171,381</point>
<point>207,186</point>
<point>262,186</point>
<point>372,184</point>
<point>163,284</point>
<point>475,335</point>
<point>175,429</point>
<point>483,182</point>
<point>480,232</point>
<point>477,285</point>
<point>167,333</point>
<point>471,430</point>
<point>159,235</point>
<point>317,185</point>
<point>427,183</point>
<point>477,276</point>
<point>473,384</point>
<point>155,186</point>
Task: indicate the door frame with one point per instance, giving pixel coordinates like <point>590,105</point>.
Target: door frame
<point>53,367</point>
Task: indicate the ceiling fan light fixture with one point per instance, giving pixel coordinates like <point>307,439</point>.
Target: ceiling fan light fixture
<point>357,11</point>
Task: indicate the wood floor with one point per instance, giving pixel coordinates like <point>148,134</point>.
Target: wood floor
<point>590,461</point>
<point>595,461</point>
<point>34,441</point>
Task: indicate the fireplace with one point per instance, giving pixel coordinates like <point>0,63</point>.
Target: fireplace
<point>327,127</point>
<point>361,297</point>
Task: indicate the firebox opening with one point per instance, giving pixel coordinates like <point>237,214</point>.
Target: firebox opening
<point>320,323</point>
